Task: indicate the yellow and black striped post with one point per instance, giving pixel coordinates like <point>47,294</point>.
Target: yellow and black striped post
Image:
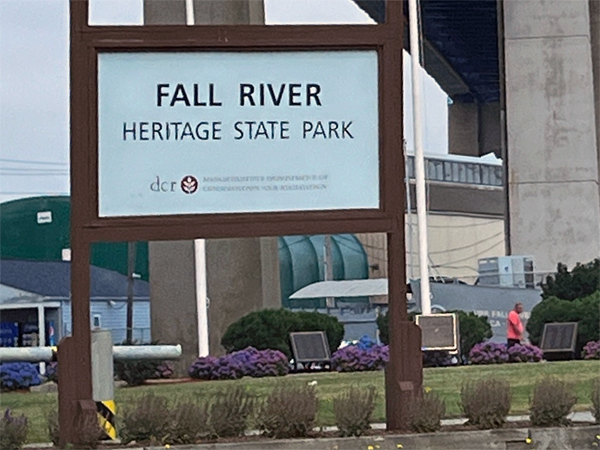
<point>103,382</point>
<point>107,410</point>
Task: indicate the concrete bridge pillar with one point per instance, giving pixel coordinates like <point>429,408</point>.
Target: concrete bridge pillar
<point>242,274</point>
<point>474,128</point>
<point>552,129</point>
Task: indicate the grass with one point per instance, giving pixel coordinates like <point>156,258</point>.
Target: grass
<point>445,381</point>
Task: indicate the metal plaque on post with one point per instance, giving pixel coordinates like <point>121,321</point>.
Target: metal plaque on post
<point>440,331</point>
<point>310,347</point>
<point>559,337</point>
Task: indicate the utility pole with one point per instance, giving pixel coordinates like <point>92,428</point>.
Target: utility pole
<point>131,247</point>
<point>328,268</point>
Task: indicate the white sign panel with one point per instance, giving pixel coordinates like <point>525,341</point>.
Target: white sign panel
<point>230,132</point>
<point>44,217</point>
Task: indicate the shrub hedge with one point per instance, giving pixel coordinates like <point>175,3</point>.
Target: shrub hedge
<point>585,311</point>
<point>353,358</point>
<point>494,353</point>
<point>270,328</point>
<point>20,375</point>
<point>134,373</point>
<point>248,362</point>
<point>580,282</point>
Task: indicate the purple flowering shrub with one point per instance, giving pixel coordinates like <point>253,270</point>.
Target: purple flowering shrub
<point>492,353</point>
<point>18,376</point>
<point>248,362</point>
<point>353,358</point>
<point>525,353</point>
<point>164,370</point>
<point>591,350</point>
<point>488,353</point>
<point>52,371</point>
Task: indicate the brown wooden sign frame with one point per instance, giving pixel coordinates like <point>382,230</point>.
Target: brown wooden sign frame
<point>88,42</point>
<point>87,227</point>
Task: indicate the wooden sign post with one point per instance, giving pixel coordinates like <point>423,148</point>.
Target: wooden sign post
<point>185,132</point>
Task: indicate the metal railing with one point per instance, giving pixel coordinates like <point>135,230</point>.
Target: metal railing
<point>120,352</point>
<point>439,169</point>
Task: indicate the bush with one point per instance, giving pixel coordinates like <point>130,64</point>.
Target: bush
<point>486,403</point>
<point>488,353</point>
<point>90,432</point>
<point>52,371</point>
<point>552,402</point>
<point>383,325</point>
<point>582,281</point>
<point>426,413</point>
<point>52,426</point>
<point>248,362</point>
<point>436,358</point>
<point>591,350</point>
<point>189,422</point>
<point>473,329</point>
<point>353,409</point>
<point>270,329</point>
<point>354,359</point>
<point>164,370</point>
<point>289,412</point>
<point>146,419</point>
<point>596,400</point>
<point>13,431</point>
<point>134,373</point>
<point>215,368</point>
<point>525,353</point>
<point>230,411</point>
<point>585,311</point>
<point>15,376</point>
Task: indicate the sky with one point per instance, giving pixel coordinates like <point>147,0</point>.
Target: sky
<point>34,84</point>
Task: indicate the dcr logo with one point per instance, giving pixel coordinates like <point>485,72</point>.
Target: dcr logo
<point>189,184</point>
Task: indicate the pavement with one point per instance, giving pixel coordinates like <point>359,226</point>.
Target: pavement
<point>581,417</point>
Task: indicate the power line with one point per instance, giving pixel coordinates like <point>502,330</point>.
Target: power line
<point>31,161</point>
<point>473,256</point>
<point>35,169</point>
<point>33,174</point>
<point>466,225</point>
<point>32,193</point>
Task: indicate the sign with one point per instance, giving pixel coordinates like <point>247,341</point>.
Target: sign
<point>44,217</point>
<point>559,337</point>
<point>318,110</point>
<point>439,331</point>
<point>310,347</point>
<point>231,132</point>
<point>9,334</point>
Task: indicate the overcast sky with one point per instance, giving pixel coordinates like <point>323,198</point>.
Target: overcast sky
<point>34,84</point>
